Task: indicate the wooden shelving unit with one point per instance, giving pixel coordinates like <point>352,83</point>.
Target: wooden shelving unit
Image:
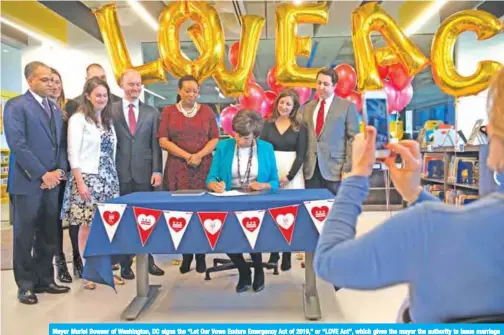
<point>486,183</point>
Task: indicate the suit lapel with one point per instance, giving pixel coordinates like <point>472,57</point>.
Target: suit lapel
<point>121,118</point>
<point>39,113</point>
<point>141,115</point>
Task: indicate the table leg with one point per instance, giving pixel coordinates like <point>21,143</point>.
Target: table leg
<point>311,302</point>
<point>145,292</point>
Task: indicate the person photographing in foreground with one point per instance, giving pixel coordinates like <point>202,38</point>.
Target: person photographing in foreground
<point>451,257</point>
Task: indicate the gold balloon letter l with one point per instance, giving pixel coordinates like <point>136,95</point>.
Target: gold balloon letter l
<point>372,17</point>
<point>288,45</point>
<point>443,68</point>
<point>120,60</point>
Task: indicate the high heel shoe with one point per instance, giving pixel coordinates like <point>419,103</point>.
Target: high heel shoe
<point>62,270</point>
<point>258,284</point>
<point>244,281</point>
<point>77,266</point>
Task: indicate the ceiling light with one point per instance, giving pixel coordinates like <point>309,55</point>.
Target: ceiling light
<point>154,94</point>
<point>297,2</point>
<point>144,14</point>
<point>424,17</point>
<point>29,32</point>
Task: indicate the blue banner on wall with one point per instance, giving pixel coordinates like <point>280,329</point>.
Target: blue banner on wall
<point>276,329</point>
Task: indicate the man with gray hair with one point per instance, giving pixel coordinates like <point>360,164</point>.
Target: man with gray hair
<point>33,129</point>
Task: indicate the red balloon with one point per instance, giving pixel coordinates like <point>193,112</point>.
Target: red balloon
<point>226,118</point>
<point>233,54</point>
<point>383,71</point>
<point>399,76</point>
<point>403,98</point>
<point>347,80</point>
<point>391,92</point>
<point>271,79</point>
<point>254,97</point>
<point>355,98</point>
<point>304,94</point>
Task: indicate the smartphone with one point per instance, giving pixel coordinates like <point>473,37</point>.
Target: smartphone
<point>375,113</point>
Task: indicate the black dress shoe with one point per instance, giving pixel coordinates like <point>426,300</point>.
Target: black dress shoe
<point>200,263</point>
<point>155,270</point>
<point>27,297</point>
<point>286,261</point>
<point>61,270</point>
<point>127,273</point>
<point>258,284</point>
<point>52,289</point>
<point>244,282</point>
<point>336,289</point>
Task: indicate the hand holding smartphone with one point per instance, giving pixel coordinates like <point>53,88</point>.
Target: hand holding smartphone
<point>375,113</point>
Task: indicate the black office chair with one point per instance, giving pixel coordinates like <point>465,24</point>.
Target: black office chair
<point>220,264</point>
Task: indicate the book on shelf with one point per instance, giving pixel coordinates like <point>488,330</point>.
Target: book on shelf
<point>433,166</point>
<point>463,170</point>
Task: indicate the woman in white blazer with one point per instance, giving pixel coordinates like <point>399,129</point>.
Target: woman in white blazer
<point>91,152</point>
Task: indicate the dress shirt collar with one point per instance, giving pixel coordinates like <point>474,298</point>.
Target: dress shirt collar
<point>135,103</point>
<point>328,101</point>
<point>38,98</point>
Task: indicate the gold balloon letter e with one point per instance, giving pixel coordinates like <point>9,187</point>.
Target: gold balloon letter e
<point>288,45</point>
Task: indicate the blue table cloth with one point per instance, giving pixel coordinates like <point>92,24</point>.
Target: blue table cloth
<point>99,250</point>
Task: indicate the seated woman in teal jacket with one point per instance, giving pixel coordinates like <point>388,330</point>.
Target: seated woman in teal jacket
<point>245,163</point>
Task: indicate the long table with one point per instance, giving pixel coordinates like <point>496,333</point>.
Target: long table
<point>99,250</point>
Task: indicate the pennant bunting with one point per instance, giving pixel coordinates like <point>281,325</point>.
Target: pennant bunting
<point>251,222</point>
<point>111,215</point>
<point>146,220</point>
<point>212,223</point>
<point>319,211</point>
<point>285,218</point>
<point>177,224</point>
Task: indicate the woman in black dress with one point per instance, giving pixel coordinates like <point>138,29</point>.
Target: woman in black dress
<point>289,139</point>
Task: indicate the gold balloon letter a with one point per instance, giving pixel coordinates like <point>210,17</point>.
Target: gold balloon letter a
<point>288,45</point>
<point>169,44</point>
<point>117,50</point>
<point>443,68</point>
<point>233,82</point>
<point>372,17</point>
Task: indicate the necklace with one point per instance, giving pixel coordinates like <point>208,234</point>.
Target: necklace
<point>245,180</point>
<point>189,114</point>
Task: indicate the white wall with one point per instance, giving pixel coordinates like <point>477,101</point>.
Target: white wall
<point>469,52</point>
<point>71,60</point>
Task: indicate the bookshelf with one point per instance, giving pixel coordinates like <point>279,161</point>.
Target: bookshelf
<point>483,176</point>
<point>4,173</point>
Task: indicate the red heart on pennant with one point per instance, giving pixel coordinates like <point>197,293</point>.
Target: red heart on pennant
<point>250,224</point>
<point>320,213</point>
<point>177,224</point>
<point>111,218</point>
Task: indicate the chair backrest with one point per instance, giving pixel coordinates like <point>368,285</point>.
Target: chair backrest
<point>498,318</point>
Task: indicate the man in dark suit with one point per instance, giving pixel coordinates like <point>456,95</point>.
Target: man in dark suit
<point>33,129</point>
<point>138,160</point>
<point>93,70</point>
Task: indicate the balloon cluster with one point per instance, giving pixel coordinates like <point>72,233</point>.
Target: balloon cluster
<point>397,85</point>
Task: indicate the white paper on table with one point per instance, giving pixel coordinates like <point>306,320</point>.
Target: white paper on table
<point>232,193</point>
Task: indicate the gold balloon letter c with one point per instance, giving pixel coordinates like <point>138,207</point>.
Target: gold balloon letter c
<point>443,67</point>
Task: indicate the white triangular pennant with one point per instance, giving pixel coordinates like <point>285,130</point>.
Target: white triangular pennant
<point>319,211</point>
<point>250,222</point>
<point>177,224</point>
<point>111,215</point>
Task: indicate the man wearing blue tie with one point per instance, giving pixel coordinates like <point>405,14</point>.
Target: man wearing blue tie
<point>33,129</point>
